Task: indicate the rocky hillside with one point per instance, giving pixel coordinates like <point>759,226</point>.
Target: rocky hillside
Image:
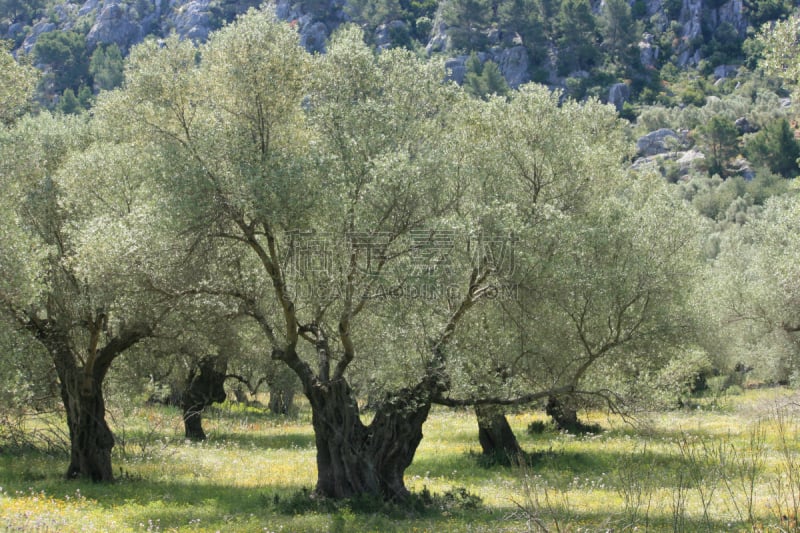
<point>615,49</point>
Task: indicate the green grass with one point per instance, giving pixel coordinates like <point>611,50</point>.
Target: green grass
<point>682,470</point>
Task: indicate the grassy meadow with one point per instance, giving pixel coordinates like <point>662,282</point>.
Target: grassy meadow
<point>730,464</point>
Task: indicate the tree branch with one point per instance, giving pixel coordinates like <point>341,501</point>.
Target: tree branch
<point>519,400</point>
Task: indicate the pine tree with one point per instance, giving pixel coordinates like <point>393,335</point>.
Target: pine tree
<point>776,148</point>
<point>484,79</point>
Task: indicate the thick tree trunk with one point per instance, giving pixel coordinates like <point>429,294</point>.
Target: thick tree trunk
<point>495,435</point>
<point>193,424</point>
<point>240,395</point>
<point>281,399</point>
<point>90,437</point>
<point>204,386</point>
<point>564,416</point>
<point>81,386</point>
<point>354,459</point>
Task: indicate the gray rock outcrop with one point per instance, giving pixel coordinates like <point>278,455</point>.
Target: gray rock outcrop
<point>114,24</point>
<point>513,63</point>
<point>456,69</point>
<point>690,160</point>
<point>648,52</point>
<point>618,94</point>
<point>744,126</point>
<point>726,71</point>
<point>193,20</point>
<point>38,29</point>
<point>658,142</point>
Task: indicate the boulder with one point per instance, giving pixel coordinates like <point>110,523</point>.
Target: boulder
<point>456,68</point>
<point>618,94</point>
<point>38,29</point>
<point>741,166</point>
<point>744,126</point>
<point>15,30</point>
<point>193,20</point>
<point>690,160</point>
<point>513,64</point>
<point>114,25</point>
<point>726,71</point>
<point>658,142</point>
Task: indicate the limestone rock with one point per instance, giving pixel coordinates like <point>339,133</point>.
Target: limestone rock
<point>726,71</point>
<point>741,166</point>
<point>513,63</point>
<point>193,20</point>
<point>731,12</point>
<point>114,25</point>
<point>88,7</point>
<point>456,69</point>
<point>38,29</point>
<point>648,52</point>
<point>439,41</point>
<point>658,142</point>
<point>689,160</point>
<point>744,126</point>
<point>618,94</point>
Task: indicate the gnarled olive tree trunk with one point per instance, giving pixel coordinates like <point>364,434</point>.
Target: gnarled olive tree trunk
<point>563,414</point>
<point>90,437</point>
<point>495,434</point>
<point>204,386</point>
<point>81,387</point>
<point>353,458</point>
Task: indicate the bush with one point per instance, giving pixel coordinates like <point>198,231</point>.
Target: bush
<point>682,376</point>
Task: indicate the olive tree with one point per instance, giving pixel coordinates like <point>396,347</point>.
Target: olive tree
<point>602,259</point>
<point>778,44</point>
<point>267,146</point>
<point>78,216</point>
<point>356,209</point>
<point>752,291</point>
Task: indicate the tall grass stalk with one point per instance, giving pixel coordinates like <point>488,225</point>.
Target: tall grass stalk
<point>786,484</point>
<point>743,469</point>
<point>701,456</point>
<point>636,486</point>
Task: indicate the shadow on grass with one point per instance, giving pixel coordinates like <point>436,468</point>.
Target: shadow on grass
<point>165,505</point>
<point>558,467</point>
<point>282,441</point>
